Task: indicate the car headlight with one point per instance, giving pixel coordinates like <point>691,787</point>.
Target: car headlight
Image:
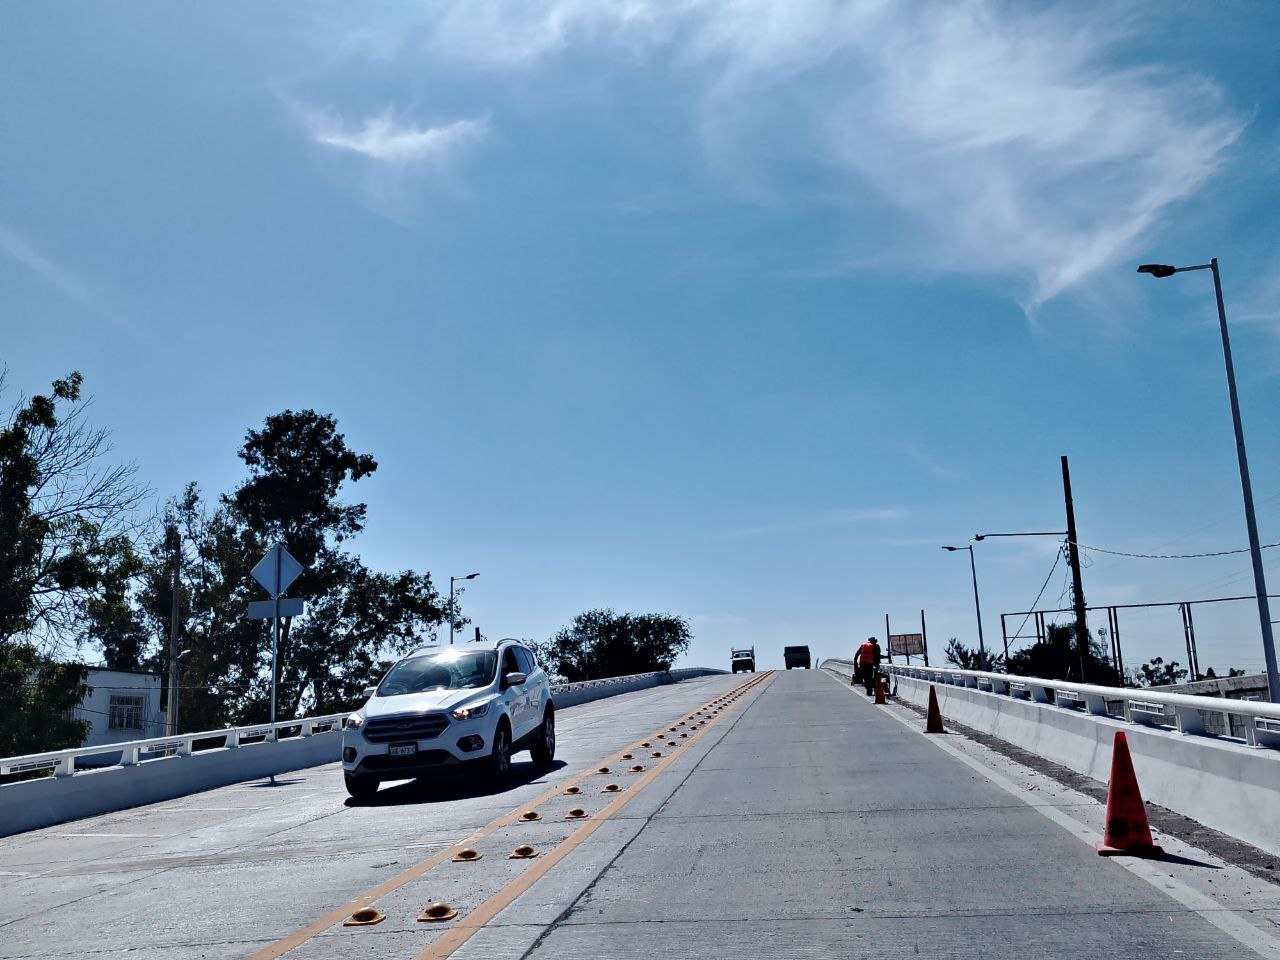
<point>471,712</point>
<point>355,721</point>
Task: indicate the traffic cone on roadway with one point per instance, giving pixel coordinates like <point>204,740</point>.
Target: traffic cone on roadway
<point>880,690</point>
<point>1127,833</point>
<point>934,722</point>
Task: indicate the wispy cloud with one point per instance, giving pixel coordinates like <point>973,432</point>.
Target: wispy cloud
<point>1017,140</point>
<point>56,275</point>
<point>831,518</point>
<point>382,138</point>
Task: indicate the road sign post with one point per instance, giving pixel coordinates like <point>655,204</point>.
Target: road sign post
<point>276,571</point>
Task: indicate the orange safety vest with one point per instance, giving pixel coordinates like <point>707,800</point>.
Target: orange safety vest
<point>867,654</point>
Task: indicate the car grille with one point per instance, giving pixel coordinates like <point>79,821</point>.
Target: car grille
<point>423,758</point>
<point>411,726</point>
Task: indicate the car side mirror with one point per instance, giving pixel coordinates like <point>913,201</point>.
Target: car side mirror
<point>514,679</point>
<point>370,691</point>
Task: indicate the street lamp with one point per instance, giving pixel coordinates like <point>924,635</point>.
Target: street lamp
<point>1160,271</point>
<point>977,608</point>
<point>452,618</point>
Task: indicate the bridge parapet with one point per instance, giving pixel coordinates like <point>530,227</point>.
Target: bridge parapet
<point>1231,784</point>
<point>1259,720</point>
<point>161,768</point>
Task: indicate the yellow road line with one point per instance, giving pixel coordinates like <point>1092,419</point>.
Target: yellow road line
<point>475,920</point>
<point>283,946</point>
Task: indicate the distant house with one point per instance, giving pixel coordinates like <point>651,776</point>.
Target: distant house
<point>121,705</point>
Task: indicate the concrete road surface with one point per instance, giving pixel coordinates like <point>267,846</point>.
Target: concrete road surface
<point>796,820</point>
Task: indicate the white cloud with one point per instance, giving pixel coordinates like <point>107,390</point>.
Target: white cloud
<point>23,251</point>
<point>382,138</point>
<point>1004,138</point>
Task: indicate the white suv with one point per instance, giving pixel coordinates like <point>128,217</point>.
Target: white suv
<point>473,704</point>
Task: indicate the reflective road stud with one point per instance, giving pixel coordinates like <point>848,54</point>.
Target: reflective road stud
<point>467,856</point>
<point>365,917</point>
<point>523,852</point>
<point>436,913</point>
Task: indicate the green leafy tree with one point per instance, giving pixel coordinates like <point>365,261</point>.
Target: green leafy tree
<point>602,643</point>
<point>37,696</point>
<point>66,558</point>
<point>1057,657</point>
<point>1156,673</point>
<point>356,618</point>
<point>970,658</point>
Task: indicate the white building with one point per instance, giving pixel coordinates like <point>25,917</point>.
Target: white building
<point>121,705</point>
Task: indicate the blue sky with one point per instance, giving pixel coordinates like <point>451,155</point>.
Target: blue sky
<point>737,310</point>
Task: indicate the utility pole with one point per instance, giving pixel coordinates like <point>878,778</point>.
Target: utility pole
<point>175,613</point>
<point>1077,586</point>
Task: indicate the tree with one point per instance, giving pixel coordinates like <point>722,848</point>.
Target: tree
<point>37,696</point>
<point>66,520</point>
<point>66,558</point>
<point>1210,674</point>
<point>1156,673</point>
<point>356,618</point>
<point>601,643</point>
<point>1057,657</point>
<point>969,658</point>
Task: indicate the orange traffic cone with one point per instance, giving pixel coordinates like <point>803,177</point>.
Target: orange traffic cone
<point>1127,832</point>
<point>880,690</point>
<point>934,722</point>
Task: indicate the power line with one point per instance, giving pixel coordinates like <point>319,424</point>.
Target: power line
<point>1056,560</point>
<point>1173,556</point>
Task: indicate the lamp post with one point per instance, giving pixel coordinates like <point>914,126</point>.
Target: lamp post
<point>977,608</point>
<point>1160,271</point>
<point>452,618</point>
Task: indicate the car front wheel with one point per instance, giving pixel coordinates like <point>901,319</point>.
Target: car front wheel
<point>543,749</point>
<point>361,788</point>
<point>499,762</point>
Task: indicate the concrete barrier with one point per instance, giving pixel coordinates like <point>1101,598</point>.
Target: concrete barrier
<point>571,694</point>
<point>32,804</point>
<point>1229,786</point>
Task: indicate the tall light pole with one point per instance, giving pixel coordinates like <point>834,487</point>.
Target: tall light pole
<point>1160,271</point>
<point>452,618</point>
<point>977,608</point>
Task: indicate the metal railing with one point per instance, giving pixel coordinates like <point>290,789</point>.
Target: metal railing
<point>1258,719</point>
<point>63,762</point>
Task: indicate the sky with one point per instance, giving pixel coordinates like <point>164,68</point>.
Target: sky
<point>733,309</point>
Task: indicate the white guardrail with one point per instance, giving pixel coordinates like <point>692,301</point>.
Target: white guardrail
<point>133,752</point>
<point>1259,720</point>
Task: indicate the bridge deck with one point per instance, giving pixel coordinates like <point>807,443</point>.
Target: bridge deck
<point>805,822</point>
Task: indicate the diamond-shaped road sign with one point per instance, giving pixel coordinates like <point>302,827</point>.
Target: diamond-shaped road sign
<point>277,570</point>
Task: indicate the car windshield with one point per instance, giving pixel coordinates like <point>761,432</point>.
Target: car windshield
<point>742,653</point>
<point>446,670</point>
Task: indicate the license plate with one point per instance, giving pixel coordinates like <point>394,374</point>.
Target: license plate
<point>403,749</point>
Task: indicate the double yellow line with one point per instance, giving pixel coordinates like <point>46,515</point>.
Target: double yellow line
<point>457,935</point>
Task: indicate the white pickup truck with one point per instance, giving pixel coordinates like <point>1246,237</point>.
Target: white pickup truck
<point>743,661</point>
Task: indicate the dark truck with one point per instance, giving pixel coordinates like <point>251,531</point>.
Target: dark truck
<point>796,657</point>
<point>743,660</point>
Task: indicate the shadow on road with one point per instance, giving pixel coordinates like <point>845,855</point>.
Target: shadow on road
<point>1185,861</point>
<point>454,785</point>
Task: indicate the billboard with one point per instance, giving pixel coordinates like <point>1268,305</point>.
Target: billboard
<point>906,644</point>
